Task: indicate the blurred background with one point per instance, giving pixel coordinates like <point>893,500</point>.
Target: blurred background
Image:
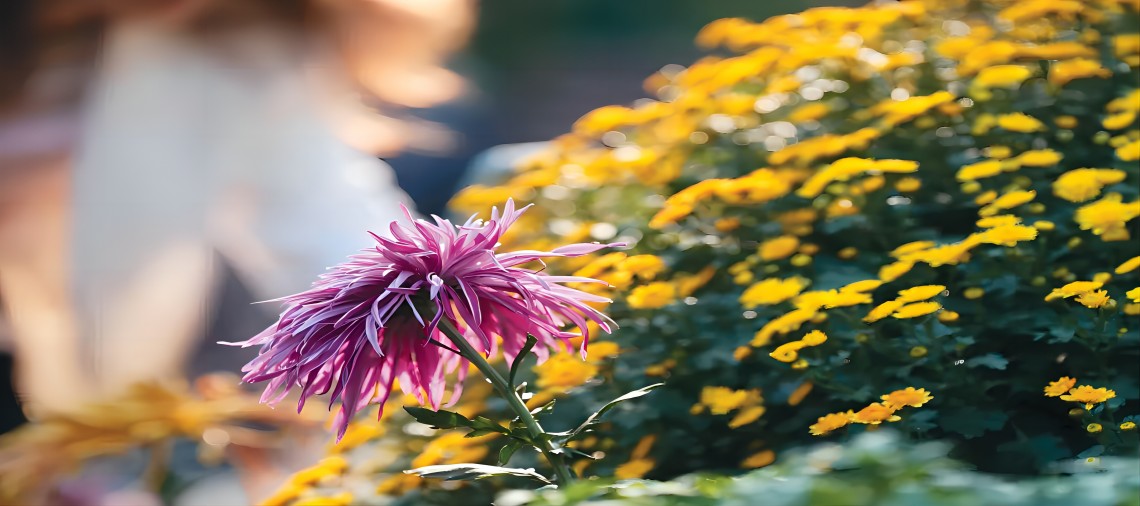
<point>165,163</point>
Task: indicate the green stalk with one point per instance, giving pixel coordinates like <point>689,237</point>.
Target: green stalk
<point>565,476</point>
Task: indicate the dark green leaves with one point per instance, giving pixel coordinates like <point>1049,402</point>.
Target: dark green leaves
<point>450,420</point>
<point>593,418</point>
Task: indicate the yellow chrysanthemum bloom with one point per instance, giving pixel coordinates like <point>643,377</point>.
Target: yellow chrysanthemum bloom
<point>1060,387</point>
<point>948,316</point>
<point>1008,200</point>
<point>1000,220</point>
<point>1133,294</point>
<point>916,309</point>
<point>643,266</point>
<point>652,296</point>
<point>830,422</point>
<point>1094,428</point>
<point>893,271</point>
<point>771,291</point>
<point>1095,299</point>
<point>1077,68</point>
<point>1007,235</point>
<point>1039,158</point>
<point>634,469</point>
<point>1073,289</point>
<point>1002,76</point>
<point>1088,395</point>
<point>814,338</point>
<point>875,414</point>
<point>912,247</point>
<point>779,248</point>
<point>908,184</point>
<point>1108,217</point>
<point>863,286</point>
<point>908,396</point>
<point>1128,266</point>
<point>746,416</point>
<point>979,170</point>
<point>883,310</point>
<point>563,371</point>
<point>787,352</point>
<point>797,396</point>
<point>1128,426</point>
<point>1020,122</point>
<point>920,293</point>
<point>1080,185</point>
<point>758,460</point>
<point>721,400</point>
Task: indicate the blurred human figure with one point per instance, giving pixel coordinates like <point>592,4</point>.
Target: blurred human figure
<point>150,147</point>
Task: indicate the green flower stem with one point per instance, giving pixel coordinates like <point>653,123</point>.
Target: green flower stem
<point>561,470</point>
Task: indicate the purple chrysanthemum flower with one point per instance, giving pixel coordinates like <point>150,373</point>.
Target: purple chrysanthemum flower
<point>361,326</point>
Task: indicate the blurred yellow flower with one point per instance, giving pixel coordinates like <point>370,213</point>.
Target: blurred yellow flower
<point>1129,265</point>
<point>893,271</point>
<point>778,248</point>
<point>1080,185</point>
<point>1039,158</point>
<point>1003,76</point>
<point>908,396</point>
<point>746,416</point>
<point>1095,299</point>
<point>1073,289</point>
<point>1128,426</point>
<point>759,460</point>
<point>875,414</point>
<point>1020,122</point>
<point>1060,387</point>
<point>1108,217</point>
<point>634,469</point>
<point>883,310</point>
<point>1093,428</point>
<point>1008,200</point>
<point>920,293</point>
<point>830,422</point>
<point>652,296</point>
<point>916,309</point>
<point>1133,294</point>
<point>643,266</point>
<point>1077,68</point>
<point>771,291</point>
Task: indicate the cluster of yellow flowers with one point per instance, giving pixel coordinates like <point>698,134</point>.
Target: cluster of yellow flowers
<point>748,404</point>
<point>1066,389</point>
<point>875,413</point>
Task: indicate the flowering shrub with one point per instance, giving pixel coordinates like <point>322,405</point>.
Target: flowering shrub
<point>918,215</point>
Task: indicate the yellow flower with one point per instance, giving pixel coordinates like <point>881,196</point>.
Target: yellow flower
<point>1132,309</point>
<point>771,291</point>
<point>908,184</point>
<point>979,170</point>
<point>783,324</point>
<point>644,266</point>
<point>797,395</point>
<point>893,271</point>
<point>787,352</point>
<point>882,311</point>
<point>916,309</point>
<point>1093,428</point>
<point>863,286</point>
<point>1128,426</point>
<point>563,371</point>
<point>814,338</point>
<point>1007,235</point>
<point>809,112</point>
<point>909,396</point>
<point>974,292</point>
<point>1119,120</point>
<point>1060,387</point>
<point>1108,217</point>
<point>1039,158</point>
<point>918,352</point>
<point>652,296</point>
<point>801,260</point>
<point>604,119</point>
<point>912,247</point>
<point>830,422</point>
<point>985,198</point>
<point>831,299</point>
<point>1088,395</point>
<point>920,293</point>
<point>948,316</point>
<point>875,414</point>
<point>634,469</point>
<point>1020,122</point>
<point>778,248</point>
<point>1001,76</point>
<point>1008,200</point>
<point>1095,299</point>
<point>759,460</point>
<point>1129,265</point>
<point>746,416</point>
<point>847,253</point>
<point>1073,289</point>
<point>1068,122</point>
<point>1078,68</point>
<point>1000,220</point>
<point>1133,295</point>
<point>1080,185</point>
<point>721,400</point>
<point>1129,152</point>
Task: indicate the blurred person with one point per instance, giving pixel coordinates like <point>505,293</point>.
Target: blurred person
<point>158,156</point>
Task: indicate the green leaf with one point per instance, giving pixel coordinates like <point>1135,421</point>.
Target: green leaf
<point>438,419</point>
<point>592,419</point>
<point>486,424</point>
<point>530,342</point>
<point>973,424</point>
<point>453,472</point>
<point>508,450</point>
